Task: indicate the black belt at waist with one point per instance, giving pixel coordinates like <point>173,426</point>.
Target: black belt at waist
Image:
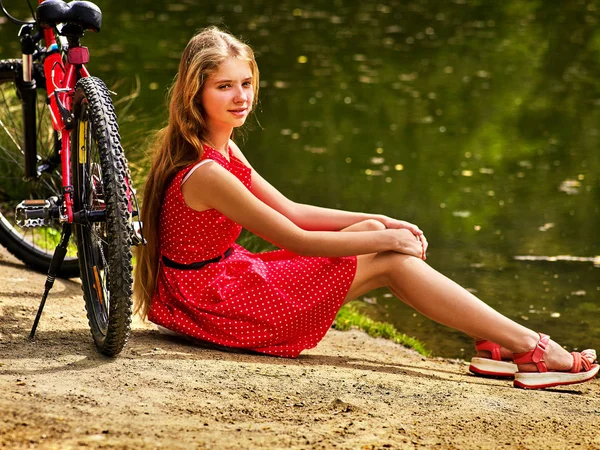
<point>196,265</point>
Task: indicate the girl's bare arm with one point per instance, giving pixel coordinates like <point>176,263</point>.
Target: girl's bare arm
<point>309,217</point>
<point>213,186</point>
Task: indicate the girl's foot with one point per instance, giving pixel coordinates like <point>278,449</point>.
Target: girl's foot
<point>492,360</point>
<point>548,365</point>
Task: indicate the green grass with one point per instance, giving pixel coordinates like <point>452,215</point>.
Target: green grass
<point>350,317</point>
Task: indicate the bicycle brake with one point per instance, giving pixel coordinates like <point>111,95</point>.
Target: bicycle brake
<point>137,237</point>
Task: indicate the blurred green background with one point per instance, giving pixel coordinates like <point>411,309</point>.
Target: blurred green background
<point>476,120</point>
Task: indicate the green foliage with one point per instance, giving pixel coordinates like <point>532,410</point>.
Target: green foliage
<point>349,317</point>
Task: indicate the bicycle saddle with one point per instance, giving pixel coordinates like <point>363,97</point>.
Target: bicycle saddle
<point>85,14</point>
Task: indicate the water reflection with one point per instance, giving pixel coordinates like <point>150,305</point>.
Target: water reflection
<point>476,120</point>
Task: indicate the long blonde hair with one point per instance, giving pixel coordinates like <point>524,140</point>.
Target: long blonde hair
<point>179,144</point>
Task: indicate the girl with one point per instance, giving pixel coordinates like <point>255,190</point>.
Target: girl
<point>193,279</point>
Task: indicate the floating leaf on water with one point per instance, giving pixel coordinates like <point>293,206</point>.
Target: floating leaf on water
<point>281,84</point>
<point>370,300</point>
<point>348,160</point>
<point>463,214</point>
<point>424,119</point>
<point>316,150</point>
<point>393,29</point>
<point>579,293</point>
<point>546,226</point>
<point>302,59</point>
<point>297,12</point>
<point>556,315</point>
<point>526,164</point>
<point>153,86</point>
<point>467,173</point>
<point>408,76</point>
<point>477,227</point>
<point>377,160</point>
<point>359,57</point>
<point>286,131</point>
<point>399,167</point>
<point>570,187</point>
<point>486,171</point>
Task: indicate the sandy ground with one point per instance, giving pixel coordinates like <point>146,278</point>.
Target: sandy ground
<point>350,392</point>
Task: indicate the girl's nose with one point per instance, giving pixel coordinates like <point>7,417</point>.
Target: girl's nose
<point>240,95</point>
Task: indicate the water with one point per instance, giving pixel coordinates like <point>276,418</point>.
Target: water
<point>476,120</point>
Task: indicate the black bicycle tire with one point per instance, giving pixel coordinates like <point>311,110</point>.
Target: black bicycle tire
<point>10,69</point>
<point>110,329</point>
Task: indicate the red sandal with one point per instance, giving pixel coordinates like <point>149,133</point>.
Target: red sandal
<point>494,367</point>
<point>582,370</point>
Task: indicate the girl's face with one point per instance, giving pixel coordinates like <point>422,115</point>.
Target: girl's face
<point>228,94</point>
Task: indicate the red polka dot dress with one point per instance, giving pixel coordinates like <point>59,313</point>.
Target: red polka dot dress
<point>275,302</point>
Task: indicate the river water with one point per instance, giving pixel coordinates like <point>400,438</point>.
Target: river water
<point>476,120</point>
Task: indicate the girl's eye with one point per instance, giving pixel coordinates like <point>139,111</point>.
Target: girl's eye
<point>247,83</point>
<point>224,86</point>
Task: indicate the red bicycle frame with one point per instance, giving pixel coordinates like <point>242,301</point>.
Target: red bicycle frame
<point>61,77</point>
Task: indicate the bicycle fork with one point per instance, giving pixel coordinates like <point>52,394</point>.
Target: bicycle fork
<point>57,260</point>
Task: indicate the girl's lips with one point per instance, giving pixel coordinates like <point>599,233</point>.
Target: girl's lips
<point>238,112</point>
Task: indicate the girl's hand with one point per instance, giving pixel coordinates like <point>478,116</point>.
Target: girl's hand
<point>406,242</point>
<point>415,230</point>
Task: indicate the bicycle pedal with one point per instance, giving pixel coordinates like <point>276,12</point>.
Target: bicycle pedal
<point>36,213</point>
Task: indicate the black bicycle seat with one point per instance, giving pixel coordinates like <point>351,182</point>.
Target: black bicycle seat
<point>85,14</point>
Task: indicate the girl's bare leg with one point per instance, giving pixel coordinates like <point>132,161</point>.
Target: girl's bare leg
<point>443,300</point>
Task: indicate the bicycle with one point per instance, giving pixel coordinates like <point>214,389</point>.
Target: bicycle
<point>63,169</point>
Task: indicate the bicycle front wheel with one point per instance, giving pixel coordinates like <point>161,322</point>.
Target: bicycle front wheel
<point>101,190</point>
<point>33,246</point>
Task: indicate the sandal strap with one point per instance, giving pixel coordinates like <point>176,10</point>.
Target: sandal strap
<point>580,363</point>
<point>491,347</point>
<point>536,355</point>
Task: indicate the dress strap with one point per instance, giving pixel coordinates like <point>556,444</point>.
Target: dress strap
<point>189,174</point>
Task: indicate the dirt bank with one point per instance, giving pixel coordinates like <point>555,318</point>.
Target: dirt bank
<point>352,391</point>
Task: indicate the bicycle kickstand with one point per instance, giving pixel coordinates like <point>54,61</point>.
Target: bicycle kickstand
<point>57,260</point>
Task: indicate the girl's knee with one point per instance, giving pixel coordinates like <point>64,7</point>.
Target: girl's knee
<point>398,264</point>
<point>372,225</point>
